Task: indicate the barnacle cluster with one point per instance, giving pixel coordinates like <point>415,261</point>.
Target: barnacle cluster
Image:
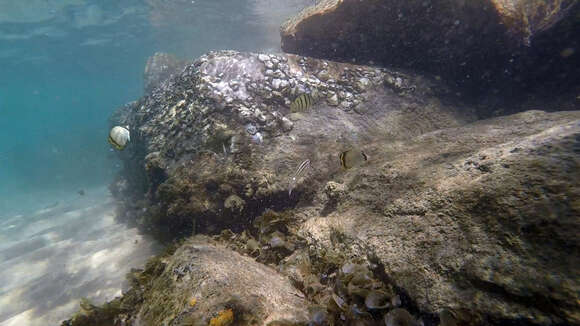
<point>353,295</point>
<point>270,240</point>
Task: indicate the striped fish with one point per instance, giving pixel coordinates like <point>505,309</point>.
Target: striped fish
<point>302,103</point>
<point>305,165</point>
<point>351,158</point>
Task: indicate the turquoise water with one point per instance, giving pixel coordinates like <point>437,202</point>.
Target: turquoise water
<point>65,66</point>
<point>62,77</point>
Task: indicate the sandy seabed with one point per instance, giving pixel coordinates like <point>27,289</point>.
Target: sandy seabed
<point>53,257</point>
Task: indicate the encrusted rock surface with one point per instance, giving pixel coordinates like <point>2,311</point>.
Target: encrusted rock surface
<point>220,129</point>
<point>477,216</point>
<point>219,279</point>
<point>479,45</point>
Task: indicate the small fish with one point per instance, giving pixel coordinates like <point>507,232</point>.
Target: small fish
<point>81,192</point>
<point>302,103</point>
<point>119,137</point>
<point>299,172</point>
<point>352,158</point>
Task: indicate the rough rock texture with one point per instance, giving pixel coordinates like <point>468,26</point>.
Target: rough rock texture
<point>219,279</point>
<point>160,67</point>
<point>473,44</point>
<point>471,215</point>
<point>484,216</point>
<point>223,127</point>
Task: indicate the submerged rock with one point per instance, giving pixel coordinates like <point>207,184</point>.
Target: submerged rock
<point>482,217</point>
<point>473,44</point>
<point>197,132</point>
<point>479,216</point>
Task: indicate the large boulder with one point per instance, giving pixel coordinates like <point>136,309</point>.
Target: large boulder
<point>481,45</point>
<point>201,280</point>
<point>482,217</point>
<point>477,216</point>
<point>223,128</point>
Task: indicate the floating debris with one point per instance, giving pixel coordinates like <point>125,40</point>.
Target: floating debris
<point>352,158</point>
<point>297,175</point>
<point>302,103</point>
<point>119,137</point>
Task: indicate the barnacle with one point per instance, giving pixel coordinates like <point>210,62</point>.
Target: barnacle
<point>377,300</point>
<point>399,317</point>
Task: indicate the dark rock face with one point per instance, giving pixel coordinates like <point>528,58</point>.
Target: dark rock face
<point>481,45</point>
<point>478,216</point>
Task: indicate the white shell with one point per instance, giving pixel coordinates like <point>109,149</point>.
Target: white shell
<point>120,135</point>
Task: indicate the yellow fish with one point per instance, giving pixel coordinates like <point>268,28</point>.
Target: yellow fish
<point>351,158</point>
<point>302,103</point>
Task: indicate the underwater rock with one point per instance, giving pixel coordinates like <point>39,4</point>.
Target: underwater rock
<point>228,287</point>
<point>472,44</point>
<point>480,216</point>
<point>218,122</point>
